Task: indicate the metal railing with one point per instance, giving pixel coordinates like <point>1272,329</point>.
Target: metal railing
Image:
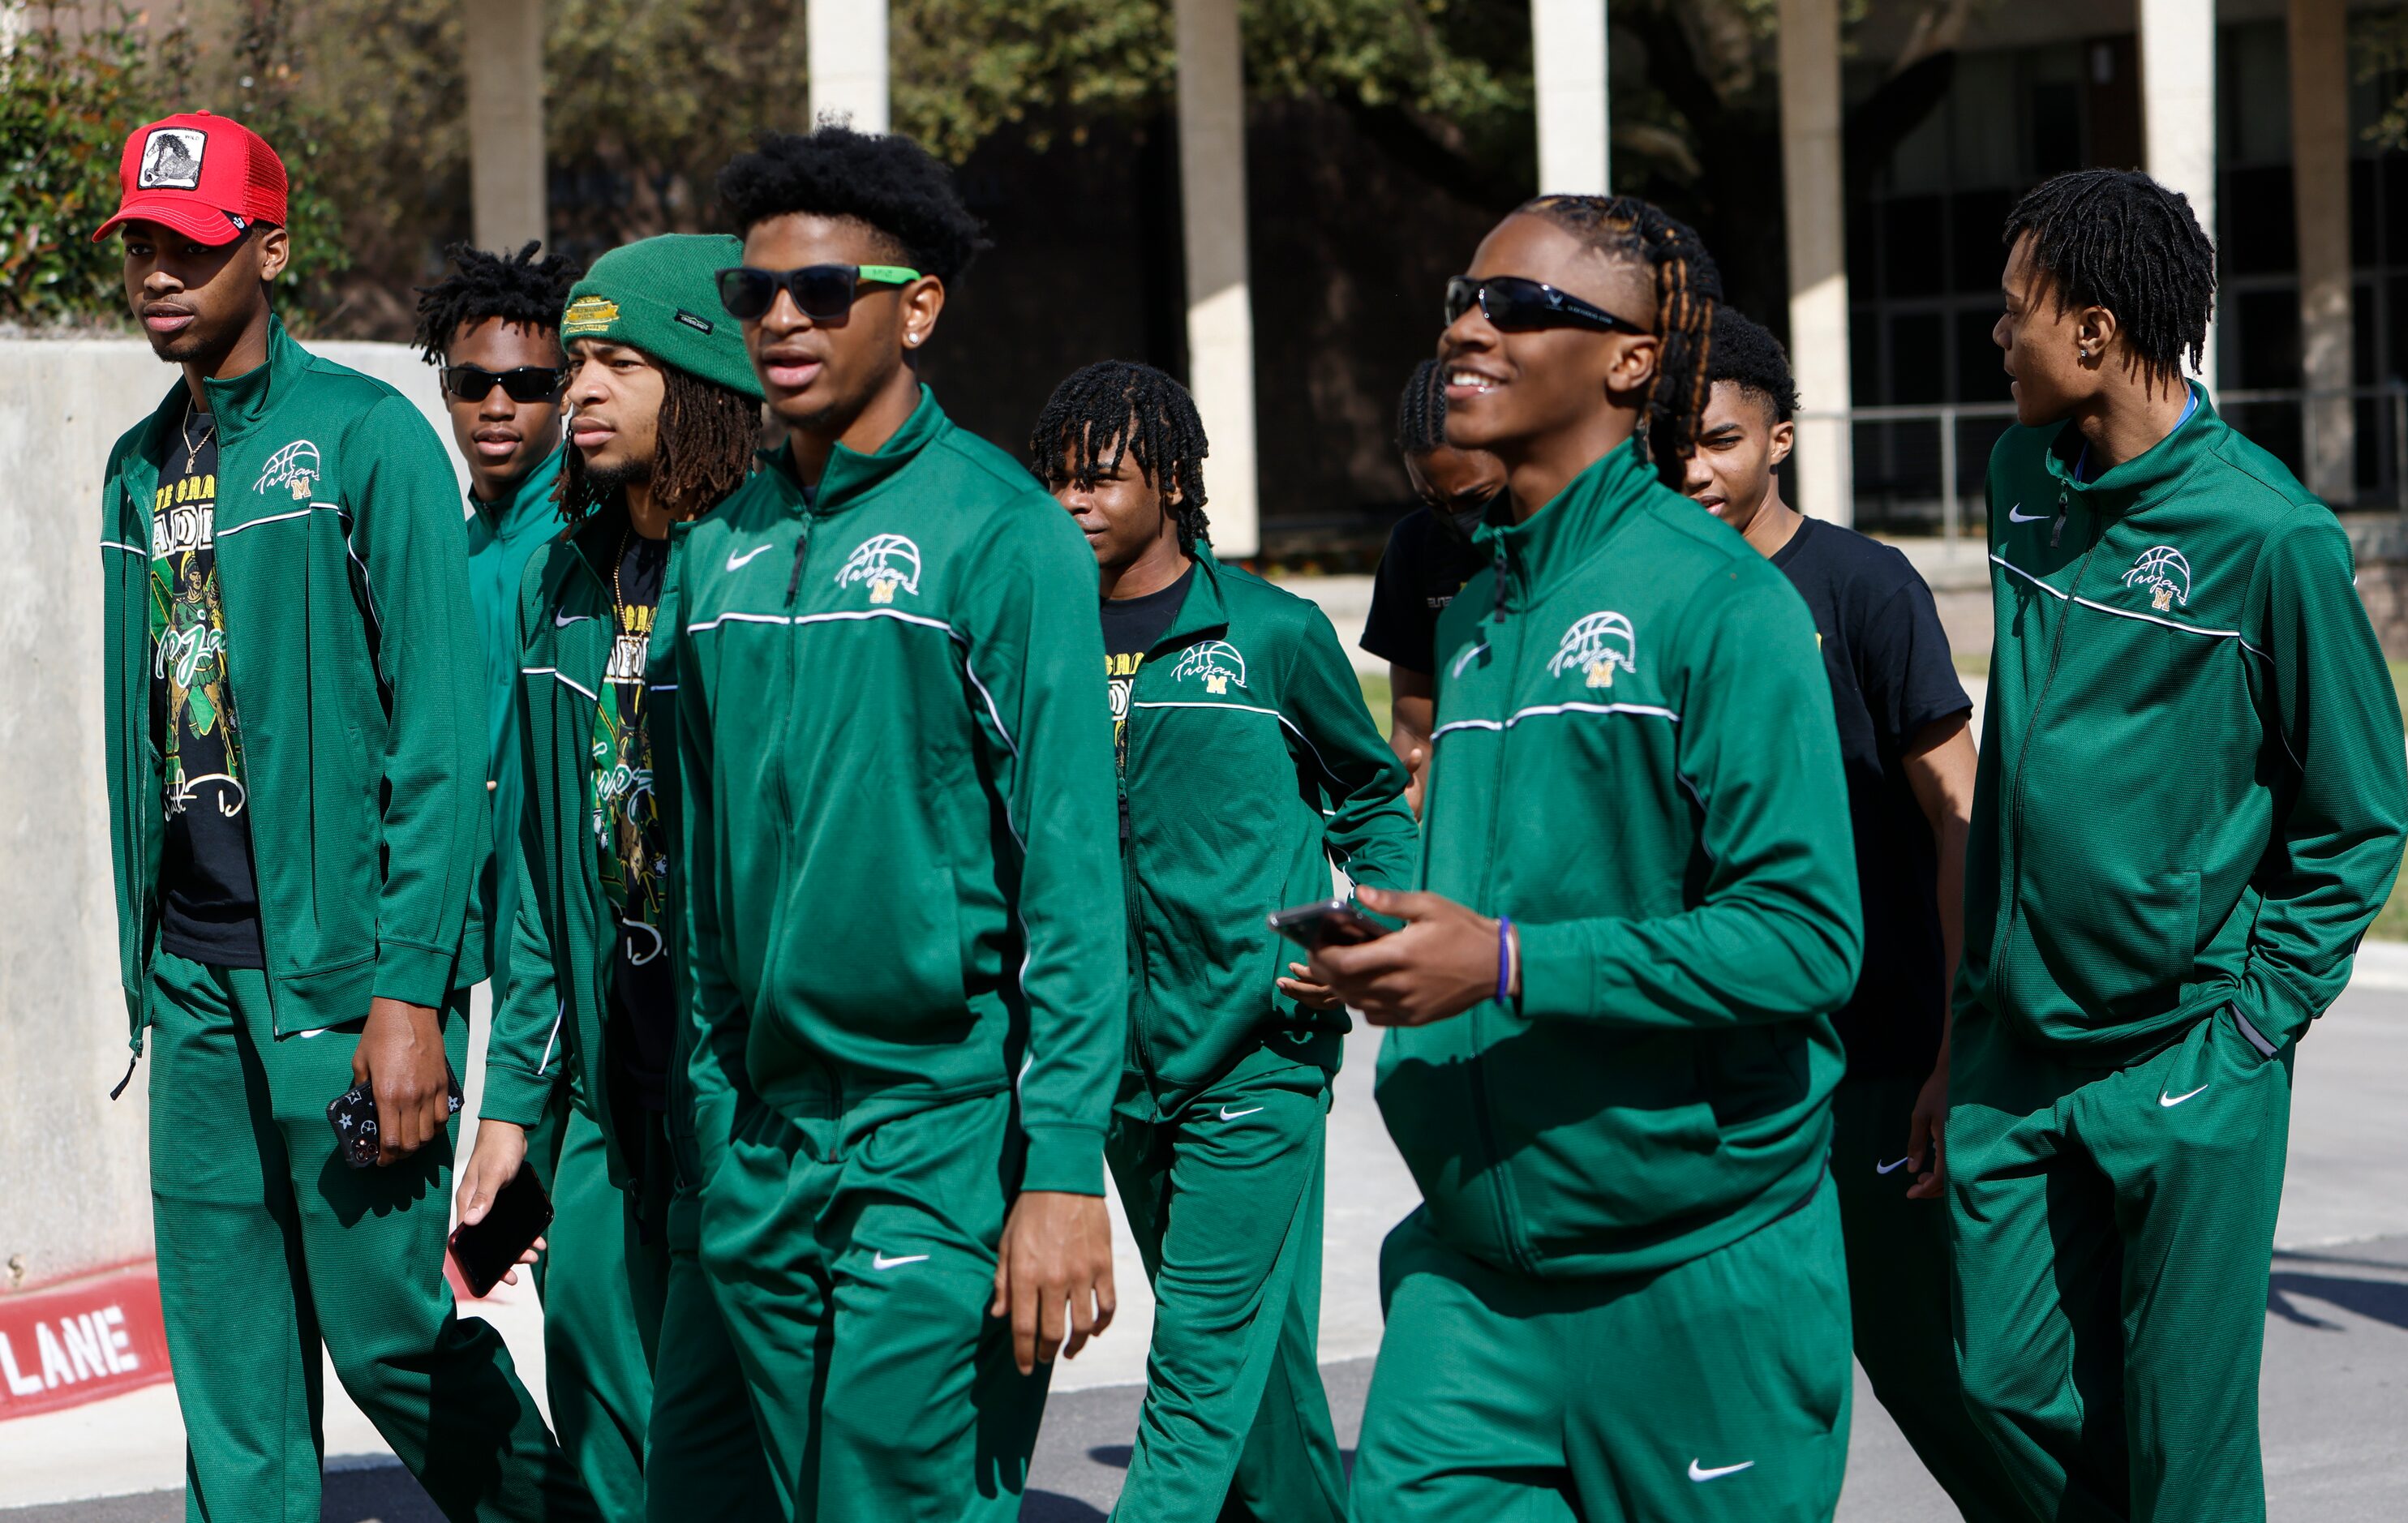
<point>1950,417</point>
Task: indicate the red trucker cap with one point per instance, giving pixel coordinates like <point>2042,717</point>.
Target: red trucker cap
<point>207,176</point>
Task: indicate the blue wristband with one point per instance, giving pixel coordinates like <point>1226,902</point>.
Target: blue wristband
<point>1504,958</point>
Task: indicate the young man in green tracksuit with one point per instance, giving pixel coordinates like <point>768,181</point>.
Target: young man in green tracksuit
<point>1247,764</point>
<point>2190,804</point>
<point>493,326</point>
<point>898,867</point>
<point>664,413</point>
<point>1622,1297</point>
<point>297,812</point>
<point>1908,754</point>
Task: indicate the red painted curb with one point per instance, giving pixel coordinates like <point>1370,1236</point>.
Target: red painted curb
<point>81,1341</point>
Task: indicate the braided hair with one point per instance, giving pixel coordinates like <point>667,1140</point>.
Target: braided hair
<point>517,288</point>
<point>702,451</point>
<point>2118,239</point>
<point>1687,287</point>
<point>1128,409</point>
<point>1420,411</point>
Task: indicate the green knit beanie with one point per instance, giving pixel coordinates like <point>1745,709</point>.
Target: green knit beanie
<point>662,296</point>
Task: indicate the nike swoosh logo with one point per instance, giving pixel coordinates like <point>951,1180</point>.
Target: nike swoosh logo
<point>1889,1167</point>
<point>737,562</point>
<point>2164,1099</point>
<point>880,1261</point>
<point>2017,515</point>
<point>562,621</point>
<point>1227,1115</point>
<point>1700,1472</point>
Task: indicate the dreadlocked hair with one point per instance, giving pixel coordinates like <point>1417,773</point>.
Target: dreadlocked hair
<point>1747,355</point>
<point>2118,239</point>
<point>1420,411</point>
<point>1687,287</point>
<point>1130,408</point>
<point>517,288</point>
<point>702,451</point>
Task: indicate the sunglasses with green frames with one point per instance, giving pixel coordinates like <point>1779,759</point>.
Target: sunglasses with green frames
<point>823,292</point>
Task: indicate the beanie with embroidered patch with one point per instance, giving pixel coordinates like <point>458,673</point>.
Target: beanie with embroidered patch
<point>661,295</point>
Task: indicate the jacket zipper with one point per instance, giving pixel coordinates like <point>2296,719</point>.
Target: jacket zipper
<point>1138,1002</point>
<point>1480,1109</point>
<point>780,800</point>
<point>2023,752</point>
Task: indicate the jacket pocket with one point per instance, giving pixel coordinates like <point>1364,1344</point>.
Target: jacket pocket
<point>2117,943</point>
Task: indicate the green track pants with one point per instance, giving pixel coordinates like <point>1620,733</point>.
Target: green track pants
<point>270,1247</point>
<point>854,1261</point>
<point>602,1287</point>
<point>1898,1296</point>
<point>704,1458</point>
<point>1225,1202</point>
<point>1715,1391</point>
<point>2114,1237</point>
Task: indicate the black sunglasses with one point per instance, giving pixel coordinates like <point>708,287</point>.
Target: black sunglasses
<point>1515,305</point>
<point>823,292</point>
<point>528,383</point>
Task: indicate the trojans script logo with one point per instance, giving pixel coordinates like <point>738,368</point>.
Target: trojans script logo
<point>886,561</point>
<point>294,466</point>
<point>1216,661</point>
<point>1596,644</point>
<point>2162,569</point>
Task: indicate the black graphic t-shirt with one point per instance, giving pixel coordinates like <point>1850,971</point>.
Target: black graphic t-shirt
<point>208,908</point>
<point>1428,559</point>
<point>1132,626</point>
<point>629,836</point>
<point>1891,676</point>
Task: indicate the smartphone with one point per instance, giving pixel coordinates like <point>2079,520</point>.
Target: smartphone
<point>486,1251</point>
<point>1328,923</point>
<point>352,1114</point>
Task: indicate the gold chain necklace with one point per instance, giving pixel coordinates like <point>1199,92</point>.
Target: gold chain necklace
<point>184,428</point>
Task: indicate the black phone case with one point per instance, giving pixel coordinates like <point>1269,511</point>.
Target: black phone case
<point>486,1251</point>
<point>352,1114</point>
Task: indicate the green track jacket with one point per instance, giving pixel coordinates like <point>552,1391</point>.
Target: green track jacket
<point>1636,760</point>
<point>899,846</point>
<point>352,654</point>
<point>2192,790</point>
<point>1252,764</point>
<point>502,539</point>
<point>556,1017</point>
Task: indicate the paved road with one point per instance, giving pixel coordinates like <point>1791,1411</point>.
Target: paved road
<point>2334,1397</point>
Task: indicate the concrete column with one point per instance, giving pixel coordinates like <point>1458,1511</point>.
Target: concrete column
<point>2320,196</point>
<point>1219,310</point>
<point>845,43</point>
<point>2178,112</point>
<point>1816,204</point>
<point>1568,46</point>
<point>503,42</point>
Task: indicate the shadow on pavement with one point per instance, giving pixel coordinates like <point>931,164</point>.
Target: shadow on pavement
<point>1052,1507</point>
<point>371,1494</point>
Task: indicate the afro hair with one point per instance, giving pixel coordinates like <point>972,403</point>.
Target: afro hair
<point>1745,353</point>
<point>884,180</point>
<point>516,288</point>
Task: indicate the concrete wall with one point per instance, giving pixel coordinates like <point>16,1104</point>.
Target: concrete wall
<point>74,1193</point>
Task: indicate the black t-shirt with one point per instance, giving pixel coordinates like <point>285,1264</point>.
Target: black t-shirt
<point>1891,676</point>
<point>1429,557</point>
<point>208,908</point>
<point>629,836</point>
<point>1132,627</point>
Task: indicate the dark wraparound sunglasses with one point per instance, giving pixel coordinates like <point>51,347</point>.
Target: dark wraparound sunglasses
<point>823,292</point>
<point>528,383</point>
<point>1515,305</point>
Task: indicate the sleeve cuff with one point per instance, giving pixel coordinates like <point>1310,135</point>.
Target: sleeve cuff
<point>1556,971</point>
<point>1068,1159</point>
<point>415,975</point>
<point>514,1096</point>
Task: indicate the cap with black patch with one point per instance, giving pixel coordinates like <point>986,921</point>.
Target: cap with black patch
<point>207,176</point>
